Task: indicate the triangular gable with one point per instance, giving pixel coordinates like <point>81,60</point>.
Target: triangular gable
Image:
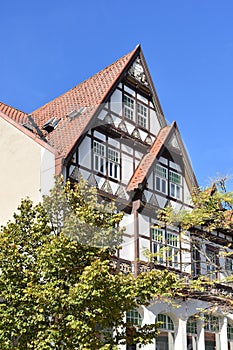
<point>91,93</point>
<point>72,113</point>
<point>148,160</point>
<point>169,135</point>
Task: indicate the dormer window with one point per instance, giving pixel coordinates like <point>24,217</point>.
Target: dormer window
<point>168,182</point>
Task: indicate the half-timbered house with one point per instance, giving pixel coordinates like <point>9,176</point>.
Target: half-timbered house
<point>111,130</point>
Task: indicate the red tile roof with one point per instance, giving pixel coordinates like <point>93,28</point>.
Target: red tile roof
<point>148,160</point>
<point>91,94</point>
<point>13,113</point>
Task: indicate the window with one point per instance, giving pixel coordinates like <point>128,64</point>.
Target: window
<point>212,323</point>
<point>175,184</point>
<point>161,178</point>
<point>109,166</point>
<point>99,157</point>
<point>229,265</point>
<point>128,107</point>
<point>211,264</point>
<point>230,331</point>
<point>165,247</point>
<point>113,164</point>
<point>134,317</point>
<point>191,329</point>
<point>165,339</point>
<point>173,251</point>
<point>196,259</point>
<point>158,245</point>
<point>142,115</point>
<point>166,322</point>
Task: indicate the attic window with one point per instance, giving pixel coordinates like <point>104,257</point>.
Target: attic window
<point>75,113</point>
<point>51,124</point>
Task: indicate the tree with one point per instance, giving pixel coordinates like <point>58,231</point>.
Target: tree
<point>58,288</point>
<point>212,213</point>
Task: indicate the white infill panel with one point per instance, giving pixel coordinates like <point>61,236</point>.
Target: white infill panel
<point>116,102</point>
<point>154,123</point>
<point>144,225</point>
<point>144,248</point>
<point>127,168</point>
<point>85,153</point>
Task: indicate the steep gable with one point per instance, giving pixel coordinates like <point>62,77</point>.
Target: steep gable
<point>88,96</point>
<point>169,138</point>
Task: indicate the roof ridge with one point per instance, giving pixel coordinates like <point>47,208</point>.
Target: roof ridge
<point>12,112</point>
<point>9,106</point>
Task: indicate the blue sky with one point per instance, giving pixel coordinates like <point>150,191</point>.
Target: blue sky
<point>49,46</point>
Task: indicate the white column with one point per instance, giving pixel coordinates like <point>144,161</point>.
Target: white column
<point>223,336</point>
<point>181,336</point>
<point>149,318</point>
<point>201,335</point>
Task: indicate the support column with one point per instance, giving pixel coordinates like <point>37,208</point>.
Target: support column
<point>149,318</point>
<point>201,335</point>
<point>223,336</point>
<point>181,336</point>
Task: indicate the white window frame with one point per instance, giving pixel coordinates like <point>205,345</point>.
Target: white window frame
<point>99,157</point>
<point>173,249</point>
<point>113,163</point>
<point>211,264</point>
<point>161,179</point>
<point>158,245</point>
<point>175,181</point>
<point>142,115</point>
<point>165,247</point>
<point>129,107</point>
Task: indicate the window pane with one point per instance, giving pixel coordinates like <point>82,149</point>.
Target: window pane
<point>161,171</point>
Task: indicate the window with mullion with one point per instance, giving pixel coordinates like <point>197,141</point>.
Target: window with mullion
<point>161,178</point>
<point>142,115</point>
<point>129,109</point>
<point>158,245</point>
<point>99,154</point>
<point>113,163</point>
<point>165,247</point>
<point>175,184</point>
<point>173,250</point>
<point>211,263</point>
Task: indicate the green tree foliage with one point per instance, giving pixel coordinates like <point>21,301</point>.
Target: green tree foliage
<point>58,289</point>
<point>212,210</point>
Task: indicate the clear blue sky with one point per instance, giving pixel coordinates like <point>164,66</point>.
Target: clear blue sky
<point>49,46</point>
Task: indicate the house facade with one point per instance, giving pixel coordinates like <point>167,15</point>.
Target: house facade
<point>111,130</point>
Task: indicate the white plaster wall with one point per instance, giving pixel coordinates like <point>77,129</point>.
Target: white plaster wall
<point>25,169</point>
<point>154,123</point>
<point>47,171</point>
<point>127,168</point>
<point>116,102</point>
<point>187,194</point>
<point>144,225</point>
